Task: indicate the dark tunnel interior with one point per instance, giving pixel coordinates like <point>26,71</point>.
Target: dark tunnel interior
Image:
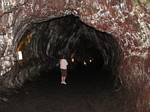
<point>93,56</point>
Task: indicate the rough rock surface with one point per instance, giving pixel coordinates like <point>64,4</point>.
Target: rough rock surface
<point>127,20</point>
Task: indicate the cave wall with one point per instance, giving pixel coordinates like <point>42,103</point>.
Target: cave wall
<point>127,20</point>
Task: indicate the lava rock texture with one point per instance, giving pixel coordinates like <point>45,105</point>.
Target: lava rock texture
<point>128,21</point>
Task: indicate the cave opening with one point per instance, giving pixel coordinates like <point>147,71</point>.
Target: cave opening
<point>93,56</point>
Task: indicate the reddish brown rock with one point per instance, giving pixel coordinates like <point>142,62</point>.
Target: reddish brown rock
<point>128,21</point>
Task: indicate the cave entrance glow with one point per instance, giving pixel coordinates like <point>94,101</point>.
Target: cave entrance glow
<point>92,54</point>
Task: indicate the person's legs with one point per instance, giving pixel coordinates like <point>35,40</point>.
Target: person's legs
<point>63,76</point>
<point>63,79</point>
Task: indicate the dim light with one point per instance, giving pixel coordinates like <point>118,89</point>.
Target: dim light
<point>90,60</point>
<point>72,59</point>
<point>20,57</point>
<point>85,63</point>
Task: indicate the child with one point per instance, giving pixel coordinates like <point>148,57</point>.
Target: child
<point>63,67</point>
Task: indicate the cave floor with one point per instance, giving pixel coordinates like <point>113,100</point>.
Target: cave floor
<point>45,94</point>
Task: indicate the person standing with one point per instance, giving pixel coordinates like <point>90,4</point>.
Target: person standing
<point>63,67</point>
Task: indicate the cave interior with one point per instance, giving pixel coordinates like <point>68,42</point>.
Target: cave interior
<point>93,55</point>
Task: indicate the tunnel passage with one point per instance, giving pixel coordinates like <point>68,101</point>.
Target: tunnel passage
<point>86,48</point>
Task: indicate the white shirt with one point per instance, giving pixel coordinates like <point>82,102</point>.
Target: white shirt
<point>63,64</point>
